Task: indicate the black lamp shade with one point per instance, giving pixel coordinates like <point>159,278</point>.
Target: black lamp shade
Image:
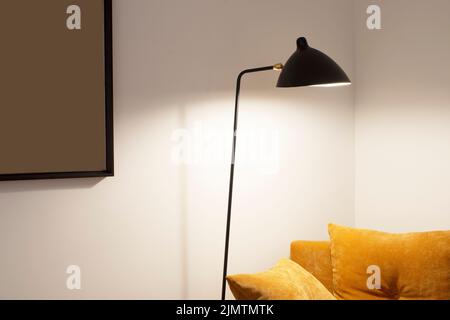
<point>311,67</point>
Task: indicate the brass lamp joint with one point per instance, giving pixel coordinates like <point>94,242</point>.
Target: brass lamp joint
<point>278,67</point>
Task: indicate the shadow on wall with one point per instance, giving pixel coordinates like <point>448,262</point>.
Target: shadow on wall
<point>183,189</point>
<point>47,185</point>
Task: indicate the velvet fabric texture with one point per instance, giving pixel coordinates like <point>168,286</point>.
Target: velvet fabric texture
<point>286,281</point>
<point>315,257</point>
<point>414,266</point>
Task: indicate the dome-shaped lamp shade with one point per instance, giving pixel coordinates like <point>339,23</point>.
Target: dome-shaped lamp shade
<point>310,67</point>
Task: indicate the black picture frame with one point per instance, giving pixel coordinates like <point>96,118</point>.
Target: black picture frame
<point>109,102</point>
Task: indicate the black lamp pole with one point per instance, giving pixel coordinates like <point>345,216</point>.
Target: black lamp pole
<point>233,158</point>
<point>306,67</point>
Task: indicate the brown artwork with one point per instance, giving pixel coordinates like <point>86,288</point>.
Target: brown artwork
<point>55,89</point>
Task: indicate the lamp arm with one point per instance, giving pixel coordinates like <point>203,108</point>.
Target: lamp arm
<point>276,67</point>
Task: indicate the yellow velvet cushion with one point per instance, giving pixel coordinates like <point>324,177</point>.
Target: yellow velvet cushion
<point>414,266</point>
<point>315,257</point>
<point>286,281</point>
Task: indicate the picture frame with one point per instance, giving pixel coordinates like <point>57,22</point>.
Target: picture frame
<point>102,162</point>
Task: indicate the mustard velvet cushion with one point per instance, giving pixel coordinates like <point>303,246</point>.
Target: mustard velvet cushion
<point>286,281</point>
<point>414,266</point>
<point>315,257</point>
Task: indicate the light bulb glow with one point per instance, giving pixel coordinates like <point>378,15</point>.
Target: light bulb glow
<point>331,85</point>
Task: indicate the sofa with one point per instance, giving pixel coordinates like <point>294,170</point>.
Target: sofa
<point>356,264</point>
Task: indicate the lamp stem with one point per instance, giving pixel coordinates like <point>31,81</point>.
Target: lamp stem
<point>233,158</point>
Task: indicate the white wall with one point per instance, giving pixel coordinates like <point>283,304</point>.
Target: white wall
<point>403,116</point>
<point>156,230</point>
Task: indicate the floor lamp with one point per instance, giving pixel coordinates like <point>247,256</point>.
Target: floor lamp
<point>306,67</point>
